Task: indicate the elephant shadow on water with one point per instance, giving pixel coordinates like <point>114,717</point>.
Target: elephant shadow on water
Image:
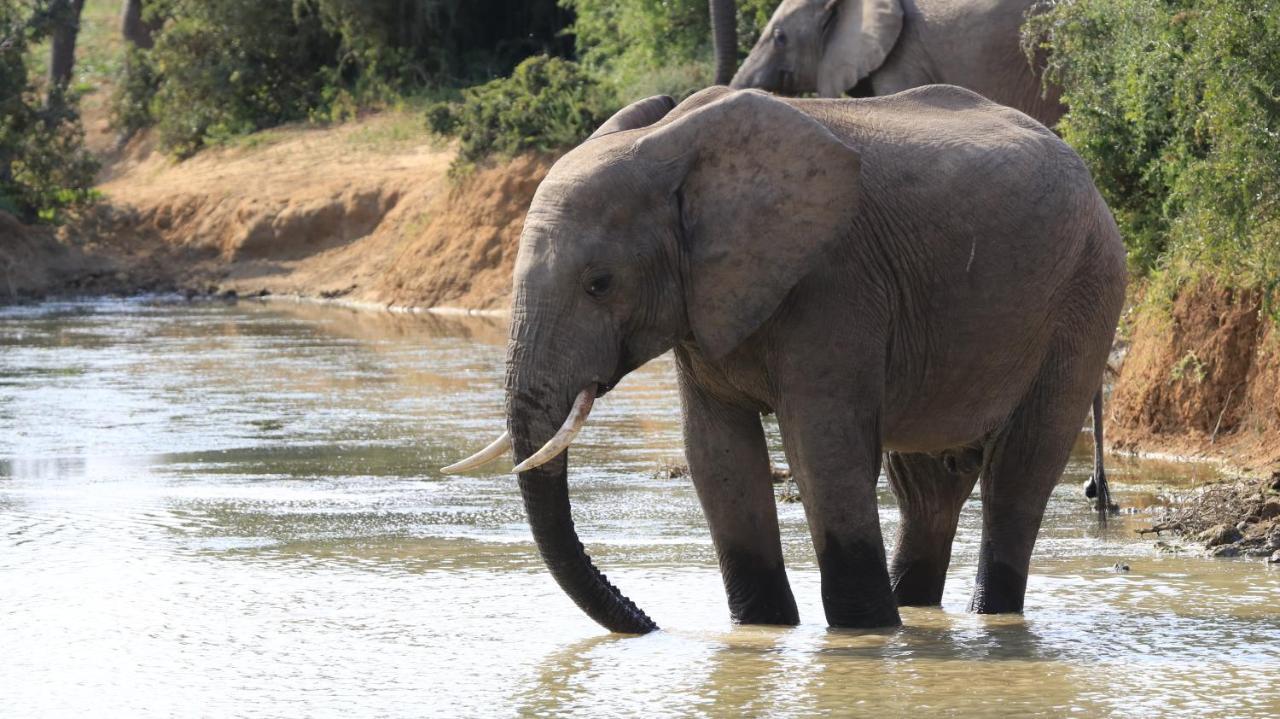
<point>748,671</point>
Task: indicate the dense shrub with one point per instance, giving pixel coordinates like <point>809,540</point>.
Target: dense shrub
<point>1175,105</point>
<point>547,103</point>
<point>414,43</point>
<point>629,49</point>
<point>43,165</point>
<point>644,47</point>
<point>230,67</point>
<point>225,67</point>
<point>131,98</point>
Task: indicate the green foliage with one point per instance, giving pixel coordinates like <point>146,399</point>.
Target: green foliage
<point>546,104</point>
<point>132,97</point>
<point>44,168</point>
<point>417,43</point>
<point>1175,105</point>
<point>222,68</point>
<point>233,66</point>
<point>644,47</point>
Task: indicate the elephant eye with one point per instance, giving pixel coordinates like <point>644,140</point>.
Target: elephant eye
<point>779,37</point>
<point>598,285</point>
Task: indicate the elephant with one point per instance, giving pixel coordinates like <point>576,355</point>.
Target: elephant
<point>929,273</point>
<point>829,47</point>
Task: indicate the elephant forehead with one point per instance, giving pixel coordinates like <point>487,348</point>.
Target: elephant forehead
<point>602,195</point>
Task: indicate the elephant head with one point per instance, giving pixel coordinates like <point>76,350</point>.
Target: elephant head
<point>640,239</point>
<point>822,46</point>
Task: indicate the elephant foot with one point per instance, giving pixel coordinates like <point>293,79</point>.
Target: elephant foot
<point>877,618</point>
<point>1000,589</point>
<point>758,593</point>
<point>918,583</point>
<point>855,587</point>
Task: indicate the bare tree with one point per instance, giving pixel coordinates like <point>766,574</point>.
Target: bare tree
<point>135,30</point>
<point>62,58</point>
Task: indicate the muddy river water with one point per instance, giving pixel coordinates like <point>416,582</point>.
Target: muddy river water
<point>217,510</point>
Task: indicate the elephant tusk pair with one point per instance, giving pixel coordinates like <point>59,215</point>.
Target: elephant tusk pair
<point>554,446</point>
<point>496,449</point>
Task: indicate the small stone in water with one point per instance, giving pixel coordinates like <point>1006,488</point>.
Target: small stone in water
<point>1119,567</point>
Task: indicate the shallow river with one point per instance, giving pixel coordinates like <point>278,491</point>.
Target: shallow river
<point>235,510</point>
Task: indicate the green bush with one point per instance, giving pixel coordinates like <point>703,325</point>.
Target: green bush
<point>645,48</point>
<point>226,67</point>
<point>629,49</point>
<point>44,167</point>
<point>409,44</point>
<point>1175,105</point>
<point>232,66</point>
<point>132,96</point>
<point>546,104</point>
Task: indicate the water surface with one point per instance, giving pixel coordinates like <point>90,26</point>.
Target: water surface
<point>234,510</point>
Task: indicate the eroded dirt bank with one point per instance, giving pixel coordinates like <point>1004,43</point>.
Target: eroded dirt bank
<point>1202,380</point>
<point>364,212</point>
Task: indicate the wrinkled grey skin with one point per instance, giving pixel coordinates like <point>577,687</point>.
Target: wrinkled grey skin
<point>927,273</point>
<point>971,43</point>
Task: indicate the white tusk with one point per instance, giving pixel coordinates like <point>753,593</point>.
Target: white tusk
<point>564,437</point>
<point>495,450</point>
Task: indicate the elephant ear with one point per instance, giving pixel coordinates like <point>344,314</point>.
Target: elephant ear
<point>859,37</point>
<point>641,113</point>
<point>764,192</point>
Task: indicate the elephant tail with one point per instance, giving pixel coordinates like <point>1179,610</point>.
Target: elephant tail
<point>1096,488</point>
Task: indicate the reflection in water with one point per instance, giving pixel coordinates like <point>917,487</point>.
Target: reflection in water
<point>238,508</point>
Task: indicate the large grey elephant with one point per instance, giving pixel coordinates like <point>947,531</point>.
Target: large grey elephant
<point>929,273</point>
<point>828,47</point>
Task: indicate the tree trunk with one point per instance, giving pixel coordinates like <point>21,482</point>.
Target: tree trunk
<point>62,58</point>
<point>135,31</point>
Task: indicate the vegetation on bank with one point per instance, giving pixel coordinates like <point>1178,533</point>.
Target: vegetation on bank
<point>1175,105</point>
<point>44,168</point>
<point>231,67</point>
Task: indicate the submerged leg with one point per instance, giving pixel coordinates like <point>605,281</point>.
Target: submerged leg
<point>729,462</point>
<point>1025,463</point>
<point>930,491</point>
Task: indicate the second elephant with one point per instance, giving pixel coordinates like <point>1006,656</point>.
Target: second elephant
<point>830,46</point>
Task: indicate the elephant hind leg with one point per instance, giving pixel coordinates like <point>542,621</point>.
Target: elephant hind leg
<point>930,489</point>
<point>1025,463</point>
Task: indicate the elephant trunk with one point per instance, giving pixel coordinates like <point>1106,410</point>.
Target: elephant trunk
<point>532,419</point>
<point>724,31</point>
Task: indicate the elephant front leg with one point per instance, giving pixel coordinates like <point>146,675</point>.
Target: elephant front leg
<point>835,455</point>
<point>729,462</point>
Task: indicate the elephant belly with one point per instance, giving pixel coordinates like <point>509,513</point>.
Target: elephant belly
<point>960,395</point>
